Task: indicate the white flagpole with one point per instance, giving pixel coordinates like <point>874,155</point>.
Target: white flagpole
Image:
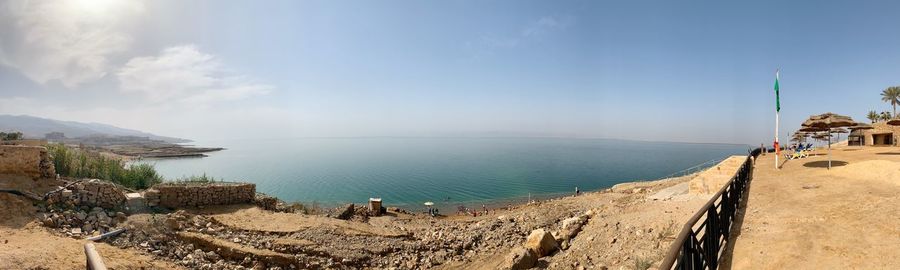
<point>776,140</point>
<point>776,124</point>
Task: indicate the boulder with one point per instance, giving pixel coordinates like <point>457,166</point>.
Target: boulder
<point>519,258</point>
<point>541,243</point>
<point>347,213</point>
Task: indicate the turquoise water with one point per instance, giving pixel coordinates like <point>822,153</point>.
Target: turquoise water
<point>410,171</point>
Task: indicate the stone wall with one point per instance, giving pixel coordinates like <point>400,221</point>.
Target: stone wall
<point>182,195</point>
<point>91,193</point>
<point>714,179</point>
<point>31,161</point>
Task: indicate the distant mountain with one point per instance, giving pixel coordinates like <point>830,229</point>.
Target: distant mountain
<point>36,127</point>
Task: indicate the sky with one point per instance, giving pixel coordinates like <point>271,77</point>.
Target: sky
<point>690,71</point>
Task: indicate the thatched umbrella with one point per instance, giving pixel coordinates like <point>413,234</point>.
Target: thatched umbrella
<point>799,136</point>
<point>828,121</point>
<point>893,122</point>
<point>860,126</point>
<point>856,130</point>
<point>839,131</point>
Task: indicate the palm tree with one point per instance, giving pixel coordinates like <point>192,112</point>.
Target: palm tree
<point>892,95</point>
<point>885,116</point>
<point>873,116</point>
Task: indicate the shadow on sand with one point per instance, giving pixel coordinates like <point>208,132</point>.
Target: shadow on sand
<point>824,164</point>
<point>738,223</point>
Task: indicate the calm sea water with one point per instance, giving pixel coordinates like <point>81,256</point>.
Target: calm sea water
<point>409,171</point>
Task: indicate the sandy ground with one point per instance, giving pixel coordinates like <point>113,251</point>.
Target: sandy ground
<point>805,216</point>
<point>25,244</point>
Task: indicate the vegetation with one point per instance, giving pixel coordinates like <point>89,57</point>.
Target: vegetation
<point>11,136</point>
<point>891,95</point>
<point>197,179</point>
<point>74,162</point>
<point>872,116</point>
<point>885,116</point>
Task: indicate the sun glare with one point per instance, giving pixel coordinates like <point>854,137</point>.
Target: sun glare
<point>93,6</point>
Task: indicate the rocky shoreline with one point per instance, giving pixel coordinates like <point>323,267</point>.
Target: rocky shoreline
<point>594,230</point>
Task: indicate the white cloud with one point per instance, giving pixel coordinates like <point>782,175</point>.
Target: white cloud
<point>185,74</point>
<point>547,24</point>
<point>70,41</point>
<point>487,44</point>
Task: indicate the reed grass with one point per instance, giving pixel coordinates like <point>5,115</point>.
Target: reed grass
<point>75,162</point>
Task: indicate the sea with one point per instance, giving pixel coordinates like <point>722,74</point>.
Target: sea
<point>450,172</point>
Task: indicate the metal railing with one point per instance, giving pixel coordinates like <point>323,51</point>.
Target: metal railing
<point>701,242</point>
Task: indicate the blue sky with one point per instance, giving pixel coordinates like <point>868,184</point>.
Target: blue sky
<point>697,71</point>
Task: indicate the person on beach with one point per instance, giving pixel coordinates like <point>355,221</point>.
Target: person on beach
<point>577,192</point>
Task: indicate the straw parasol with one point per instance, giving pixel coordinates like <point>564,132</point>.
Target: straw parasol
<point>799,136</point>
<point>860,126</point>
<point>856,130</point>
<point>894,122</point>
<point>839,131</point>
<point>828,121</point>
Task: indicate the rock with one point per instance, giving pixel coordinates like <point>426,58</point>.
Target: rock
<point>347,213</point>
<point>519,258</point>
<point>49,223</point>
<point>212,256</point>
<point>87,228</point>
<point>76,231</point>
<point>121,217</point>
<point>541,243</point>
<point>172,223</point>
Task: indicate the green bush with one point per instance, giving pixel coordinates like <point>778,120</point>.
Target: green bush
<point>11,136</point>
<point>74,162</point>
<point>197,179</point>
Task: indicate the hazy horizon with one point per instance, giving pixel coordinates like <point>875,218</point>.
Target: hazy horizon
<point>698,72</point>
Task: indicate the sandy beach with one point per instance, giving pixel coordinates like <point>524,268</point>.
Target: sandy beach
<point>805,216</point>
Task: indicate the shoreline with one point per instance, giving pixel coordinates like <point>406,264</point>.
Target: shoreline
<point>449,209</point>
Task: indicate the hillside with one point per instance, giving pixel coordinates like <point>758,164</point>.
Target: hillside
<point>36,127</point>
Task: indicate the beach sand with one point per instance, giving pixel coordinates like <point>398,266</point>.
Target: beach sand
<point>805,216</point>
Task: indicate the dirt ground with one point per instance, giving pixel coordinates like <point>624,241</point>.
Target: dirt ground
<point>25,244</point>
<point>806,216</point>
<point>631,227</point>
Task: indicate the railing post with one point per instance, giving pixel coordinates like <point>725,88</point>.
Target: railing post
<point>711,237</point>
<point>687,252</point>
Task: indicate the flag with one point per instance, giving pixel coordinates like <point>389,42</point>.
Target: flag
<point>777,110</point>
<point>777,100</point>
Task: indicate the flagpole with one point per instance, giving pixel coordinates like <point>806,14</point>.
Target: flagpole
<point>777,147</point>
<point>777,116</point>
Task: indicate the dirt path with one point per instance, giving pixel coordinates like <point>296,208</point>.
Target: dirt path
<point>808,217</point>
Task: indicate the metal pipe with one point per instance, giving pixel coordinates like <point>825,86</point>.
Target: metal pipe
<point>94,261</point>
